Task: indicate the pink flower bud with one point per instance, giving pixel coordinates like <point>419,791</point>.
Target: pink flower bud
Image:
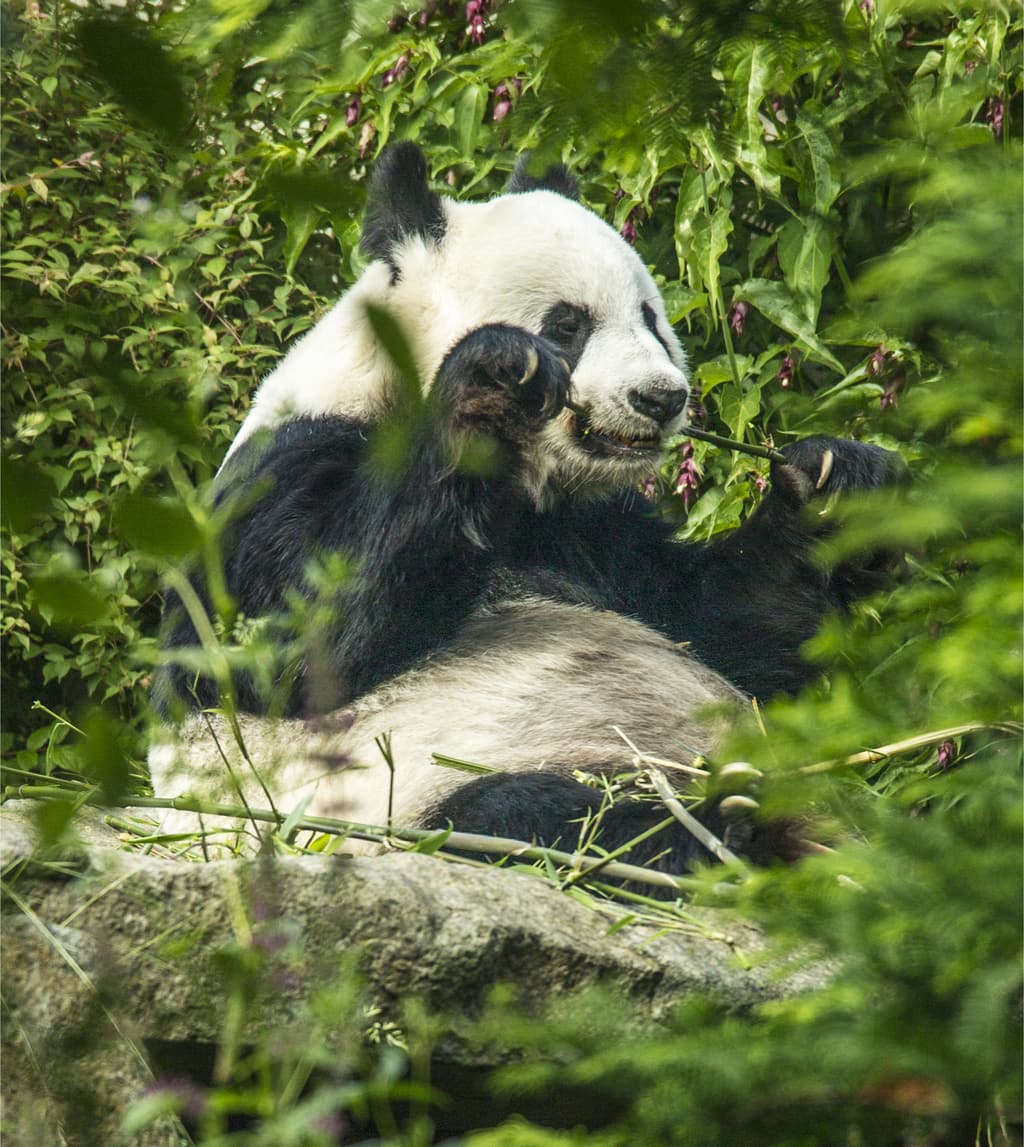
<point>501,109</point>
<point>876,363</point>
<point>785,375</point>
<point>738,317</point>
<point>891,394</point>
<point>688,477</point>
<point>352,112</point>
<point>994,115</point>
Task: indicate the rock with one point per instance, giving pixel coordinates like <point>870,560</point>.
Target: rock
<point>135,953</point>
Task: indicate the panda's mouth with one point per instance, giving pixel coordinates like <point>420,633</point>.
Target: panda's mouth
<point>610,443</point>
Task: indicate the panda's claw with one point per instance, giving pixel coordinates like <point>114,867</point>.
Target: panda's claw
<point>532,365</point>
<point>827,461</point>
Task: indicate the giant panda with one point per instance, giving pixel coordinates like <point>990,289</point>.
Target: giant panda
<point>515,602</point>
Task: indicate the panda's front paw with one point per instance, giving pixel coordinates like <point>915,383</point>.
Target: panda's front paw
<point>820,466</point>
<point>503,381</point>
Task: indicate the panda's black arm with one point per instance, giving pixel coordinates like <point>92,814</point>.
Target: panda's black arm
<point>420,542</point>
<point>423,537</point>
<point>747,603</point>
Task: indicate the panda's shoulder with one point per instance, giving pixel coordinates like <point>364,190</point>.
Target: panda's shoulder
<point>301,450</point>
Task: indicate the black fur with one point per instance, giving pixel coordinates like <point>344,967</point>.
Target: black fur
<point>556,178</point>
<point>443,535</point>
<point>434,540</point>
<point>553,811</point>
<point>400,204</point>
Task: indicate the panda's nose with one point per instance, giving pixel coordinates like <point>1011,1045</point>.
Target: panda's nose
<point>658,402</point>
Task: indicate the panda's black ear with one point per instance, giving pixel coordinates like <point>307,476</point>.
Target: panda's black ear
<point>400,204</point>
<point>556,178</point>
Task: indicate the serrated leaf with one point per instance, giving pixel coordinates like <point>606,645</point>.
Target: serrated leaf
<point>805,250</point>
<point>469,111</point>
<point>820,185</point>
<point>779,306</point>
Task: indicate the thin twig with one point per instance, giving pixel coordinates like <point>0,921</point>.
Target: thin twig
<point>641,759</point>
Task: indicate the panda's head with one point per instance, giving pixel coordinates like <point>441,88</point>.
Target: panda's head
<point>535,258</point>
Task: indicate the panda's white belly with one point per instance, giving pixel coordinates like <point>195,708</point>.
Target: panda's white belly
<point>531,685</point>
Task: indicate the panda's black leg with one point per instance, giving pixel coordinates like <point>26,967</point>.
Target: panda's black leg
<point>550,809</point>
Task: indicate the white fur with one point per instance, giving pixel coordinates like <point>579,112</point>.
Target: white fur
<point>531,685</point>
<point>508,261</point>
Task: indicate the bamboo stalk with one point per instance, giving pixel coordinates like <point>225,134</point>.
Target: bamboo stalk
<point>909,744</point>
<point>728,444</point>
<point>467,841</point>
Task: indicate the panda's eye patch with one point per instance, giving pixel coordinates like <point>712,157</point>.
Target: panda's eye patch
<point>569,327</point>
<point>651,323</point>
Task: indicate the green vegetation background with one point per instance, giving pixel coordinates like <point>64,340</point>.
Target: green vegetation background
<point>830,195</point>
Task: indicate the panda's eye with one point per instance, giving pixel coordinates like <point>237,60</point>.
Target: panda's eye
<point>651,322</point>
<point>569,326</point>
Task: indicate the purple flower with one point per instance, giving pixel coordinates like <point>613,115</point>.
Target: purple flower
<point>738,317</point>
<point>760,482</point>
<point>994,115</point>
<point>688,477</point>
<point>876,363</point>
<point>649,487</point>
<point>502,102</point>
<point>867,7</point>
<point>628,231</point>
<point>366,138</point>
<point>891,392</point>
<point>475,20</point>
<point>352,112</point>
<point>396,71</point>
<point>785,375</point>
<point>947,754</point>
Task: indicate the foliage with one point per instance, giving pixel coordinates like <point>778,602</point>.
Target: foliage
<point>830,196</point>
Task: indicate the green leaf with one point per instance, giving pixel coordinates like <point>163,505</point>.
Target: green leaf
<point>102,756</point>
<point>300,222</point>
<point>805,250</point>
<point>469,112</point>
<point>160,526</point>
<point>461,766</point>
<point>820,185</point>
<point>779,305</point>
<point>432,843</point>
<point>125,54</point>
<point>25,492</point>
<point>68,598</point>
